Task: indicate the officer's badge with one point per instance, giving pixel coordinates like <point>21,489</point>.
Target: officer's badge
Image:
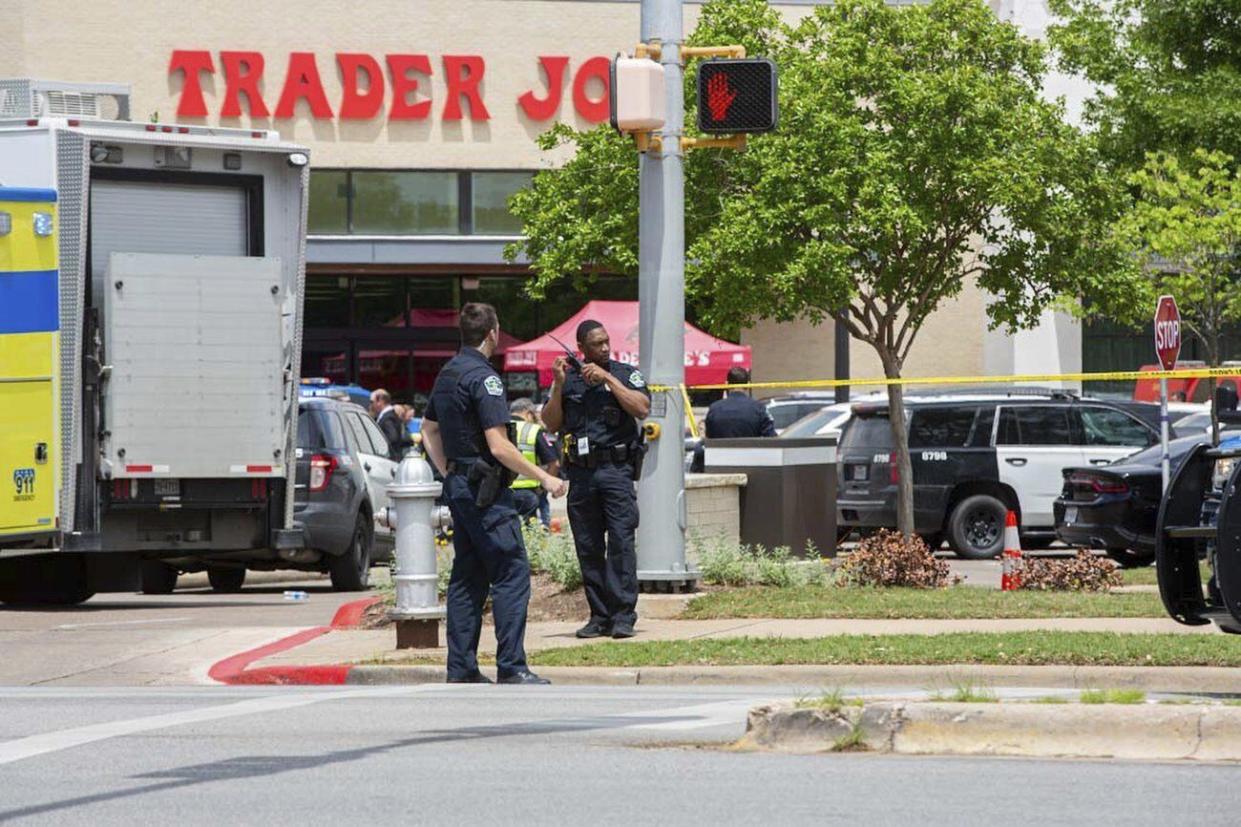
<point>636,379</point>
<point>494,386</point>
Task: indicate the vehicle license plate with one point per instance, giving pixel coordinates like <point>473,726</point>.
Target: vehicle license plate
<point>1070,515</point>
<point>167,488</point>
<point>860,472</point>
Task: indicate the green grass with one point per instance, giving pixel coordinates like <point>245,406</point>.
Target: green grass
<point>1146,576</point>
<point>833,701</point>
<point>1000,648</point>
<point>953,602</point>
<point>1050,699</point>
<point>1113,696</point>
<point>967,693</point>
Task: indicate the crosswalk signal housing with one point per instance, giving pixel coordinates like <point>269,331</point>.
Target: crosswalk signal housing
<point>737,95</point>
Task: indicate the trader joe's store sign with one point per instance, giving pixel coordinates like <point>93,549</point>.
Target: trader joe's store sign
<point>396,86</point>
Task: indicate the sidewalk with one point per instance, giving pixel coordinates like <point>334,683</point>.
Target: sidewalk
<point>377,646</point>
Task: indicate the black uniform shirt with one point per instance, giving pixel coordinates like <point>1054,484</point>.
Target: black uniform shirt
<point>737,416</point>
<point>467,399</point>
<point>594,413</point>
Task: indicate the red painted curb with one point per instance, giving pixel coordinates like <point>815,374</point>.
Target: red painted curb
<point>232,670</point>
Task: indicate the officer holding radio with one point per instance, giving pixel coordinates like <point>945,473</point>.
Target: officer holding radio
<point>466,434</point>
<point>596,405</point>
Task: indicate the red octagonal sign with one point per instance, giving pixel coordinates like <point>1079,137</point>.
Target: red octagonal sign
<point>1167,332</point>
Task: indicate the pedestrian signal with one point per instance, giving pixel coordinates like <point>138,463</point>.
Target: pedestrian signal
<point>737,95</point>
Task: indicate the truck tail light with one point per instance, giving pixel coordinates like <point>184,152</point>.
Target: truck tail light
<point>321,468</point>
<point>894,472</point>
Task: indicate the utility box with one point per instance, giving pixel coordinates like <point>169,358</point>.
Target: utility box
<point>789,498</point>
<point>637,99</point>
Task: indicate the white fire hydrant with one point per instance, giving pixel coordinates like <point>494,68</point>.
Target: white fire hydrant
<point>418,611</point>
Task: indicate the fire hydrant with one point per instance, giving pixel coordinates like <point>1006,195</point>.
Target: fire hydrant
<point>418,612</point>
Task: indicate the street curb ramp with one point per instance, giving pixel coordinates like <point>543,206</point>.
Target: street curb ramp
<point>1140,731</point>
<point>233,670</point>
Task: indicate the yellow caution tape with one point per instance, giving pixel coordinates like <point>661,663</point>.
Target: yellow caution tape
<point>689,412</point>
<point>1017,379</point>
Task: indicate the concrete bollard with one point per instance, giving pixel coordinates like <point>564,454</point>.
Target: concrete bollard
<point>418,612</point>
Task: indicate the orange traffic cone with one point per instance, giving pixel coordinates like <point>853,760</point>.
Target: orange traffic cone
<point>1010,579</point>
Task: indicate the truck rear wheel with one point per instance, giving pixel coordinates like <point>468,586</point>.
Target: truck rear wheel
<point>351,571</point>
<point>976,527</point>
<point>158,577</point>
<point>226,580</point>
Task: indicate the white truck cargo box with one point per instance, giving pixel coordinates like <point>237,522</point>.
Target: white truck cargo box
<point>194,345</point>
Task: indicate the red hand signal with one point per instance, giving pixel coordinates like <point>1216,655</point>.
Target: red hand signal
<point>719,97</point>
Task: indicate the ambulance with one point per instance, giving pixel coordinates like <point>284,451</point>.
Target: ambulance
<point>151,281</point>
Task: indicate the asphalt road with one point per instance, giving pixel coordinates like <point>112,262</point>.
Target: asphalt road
<point>545,755</point>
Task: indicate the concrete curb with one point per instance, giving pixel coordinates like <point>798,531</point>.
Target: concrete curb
<point>1147,678</point>
<point>1201,732</point>
<point>234,670</point>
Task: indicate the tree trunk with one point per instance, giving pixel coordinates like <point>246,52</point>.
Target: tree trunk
<point>900,444</point>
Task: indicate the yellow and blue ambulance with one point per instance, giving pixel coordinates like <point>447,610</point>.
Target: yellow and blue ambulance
<point>29,366</point>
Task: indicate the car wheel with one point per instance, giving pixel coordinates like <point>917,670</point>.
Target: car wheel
<point>226,580</point>
<point>158,577</point>
<point>1127,559</point>
<point>976,527</point>
<point>351,571</point>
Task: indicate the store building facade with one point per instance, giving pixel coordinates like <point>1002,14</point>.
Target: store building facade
<point>421,119</point>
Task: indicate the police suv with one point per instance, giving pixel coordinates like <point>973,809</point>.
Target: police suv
<point>975,457</point>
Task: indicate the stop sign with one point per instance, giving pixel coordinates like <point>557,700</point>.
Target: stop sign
<point>1167,332</point>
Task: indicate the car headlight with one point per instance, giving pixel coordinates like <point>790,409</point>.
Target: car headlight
<point>1223,471</point>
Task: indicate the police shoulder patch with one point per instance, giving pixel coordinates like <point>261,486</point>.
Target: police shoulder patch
<point>636,379</point>
<point>494,386</point>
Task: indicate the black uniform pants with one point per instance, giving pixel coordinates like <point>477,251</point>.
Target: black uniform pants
<point>489,555</point>
<point>603,513</point>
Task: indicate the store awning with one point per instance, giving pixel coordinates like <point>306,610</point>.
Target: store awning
<point>707,359</point>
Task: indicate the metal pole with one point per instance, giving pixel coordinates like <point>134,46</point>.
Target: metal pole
<point>1163,429</point>
<point>842,357</point>
<point>661,298</point>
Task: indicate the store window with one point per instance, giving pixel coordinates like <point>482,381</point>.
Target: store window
<point>491,191</point>
<point>329,202</point>
<point>327,301</point>
<point>406,203</point>
<point>378,301</point>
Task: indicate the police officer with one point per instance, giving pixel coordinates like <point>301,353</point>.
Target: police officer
<point>737,416</point>
<point>597,409</point>
<point>535,446</point>
<point>465,434</point>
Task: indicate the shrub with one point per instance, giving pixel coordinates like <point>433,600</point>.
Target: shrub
<point>1085,572</point>
<point>553,555</point>
<point>888,558</point>
<point>729,564</point>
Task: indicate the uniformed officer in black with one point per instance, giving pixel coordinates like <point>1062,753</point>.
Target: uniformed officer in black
<point>737,416</point>
<point>467,421</point>
<point>597,410</point>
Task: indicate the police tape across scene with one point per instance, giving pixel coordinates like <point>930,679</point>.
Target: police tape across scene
<point>1102,376</point>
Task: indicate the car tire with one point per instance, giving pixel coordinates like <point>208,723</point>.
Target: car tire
<point>1128,559</point>
<point>158,577</point>
<point>976,527</point>
<point>351,571</point>
<point>226,580</point>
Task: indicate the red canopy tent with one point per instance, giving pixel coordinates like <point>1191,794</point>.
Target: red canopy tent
<point>707,359</point>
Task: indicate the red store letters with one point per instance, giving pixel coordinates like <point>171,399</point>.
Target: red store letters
<point>365,87</point>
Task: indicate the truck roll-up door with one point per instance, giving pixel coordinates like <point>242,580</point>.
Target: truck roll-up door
<point>164,217</point>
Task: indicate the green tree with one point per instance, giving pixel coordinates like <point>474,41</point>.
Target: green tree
<point>1185,224</point>
<point>1168,73</point>
<point>915,159</point>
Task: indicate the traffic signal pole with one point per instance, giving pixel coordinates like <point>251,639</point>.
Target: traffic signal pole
<point>661,299</point>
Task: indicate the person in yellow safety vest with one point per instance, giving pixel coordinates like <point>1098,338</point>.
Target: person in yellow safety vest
<point>535,446</point>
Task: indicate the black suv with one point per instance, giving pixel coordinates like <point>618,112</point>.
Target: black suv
<point>975,457</point>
